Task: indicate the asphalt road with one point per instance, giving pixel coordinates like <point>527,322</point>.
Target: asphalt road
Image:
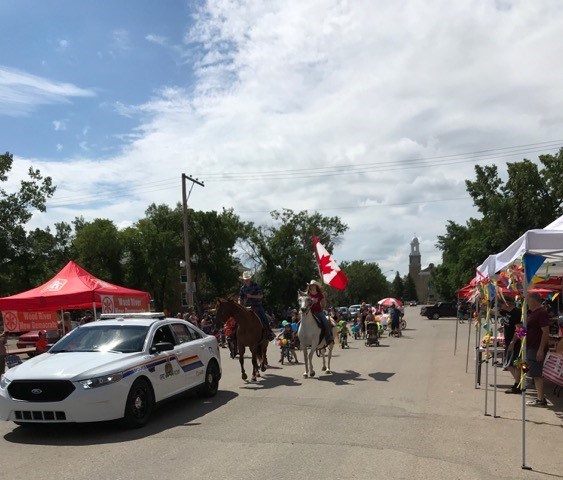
<point>406,409</point>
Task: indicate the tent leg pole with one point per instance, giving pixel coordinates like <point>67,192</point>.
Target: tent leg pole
<point>486,385</point>
<point>468,339</point>
<point>456,328</point>
<point>477,347</point>
<point>495,356</point>
<point>524,379</point>
<point>63,321</point>
<point>94,310</point>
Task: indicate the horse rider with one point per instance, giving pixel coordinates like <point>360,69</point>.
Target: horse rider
<point>251,295</point>
<point>317,308</point>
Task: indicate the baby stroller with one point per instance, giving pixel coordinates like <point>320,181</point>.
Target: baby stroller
<point>372,334</point>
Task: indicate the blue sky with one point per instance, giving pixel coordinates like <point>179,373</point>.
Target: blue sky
<point>98,46</point>
<point>370,110</point>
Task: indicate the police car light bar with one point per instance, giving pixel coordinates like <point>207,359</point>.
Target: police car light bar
<point>113,316</point>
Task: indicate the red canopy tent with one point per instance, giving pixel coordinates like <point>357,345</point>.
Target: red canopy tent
<point>73,288</point>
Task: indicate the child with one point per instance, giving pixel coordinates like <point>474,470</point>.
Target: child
<point>343,331</point>
<point>288,335</point>
<point>41,345</point>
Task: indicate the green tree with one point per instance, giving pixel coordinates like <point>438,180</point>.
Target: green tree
<point>284,252</point>
<point>16,209</point>
<point>153,248</point>
<point>366,283</point>
<point>410,288</point>
<point>531,197</point>
<point>397,287</point>
<point>98,248</point>
<point>213,240</point>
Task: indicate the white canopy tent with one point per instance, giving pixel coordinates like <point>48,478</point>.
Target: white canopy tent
<point>548,243</point>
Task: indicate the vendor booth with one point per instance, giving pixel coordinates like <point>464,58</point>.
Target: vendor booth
<point>519,264</point>
<point>71,288</point>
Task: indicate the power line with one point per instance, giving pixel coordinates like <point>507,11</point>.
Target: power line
<point>355,207</point>
<point>327,171</point>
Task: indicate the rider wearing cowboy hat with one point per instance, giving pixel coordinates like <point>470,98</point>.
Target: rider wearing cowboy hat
<point>251,295</point>
<point>317,308</point>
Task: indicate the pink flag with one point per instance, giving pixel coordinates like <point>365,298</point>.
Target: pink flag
<point>330,271</point>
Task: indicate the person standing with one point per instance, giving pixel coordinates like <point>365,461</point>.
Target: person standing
<point>537,327</point>
<point>511,341</point>
<point>395,315</point>
<point>3,352</point>
<point>250,295</point>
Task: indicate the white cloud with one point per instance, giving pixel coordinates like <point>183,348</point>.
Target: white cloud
<point>59,147</point>
<point>120,41</point>
<point>158,39</point>
<point>59,125</point>
<point>63,44</point>
<point>307,85</point>
<point>22,93</point>
<point>85,130</point>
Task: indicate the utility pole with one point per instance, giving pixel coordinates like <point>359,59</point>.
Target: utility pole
<point>189,289</point>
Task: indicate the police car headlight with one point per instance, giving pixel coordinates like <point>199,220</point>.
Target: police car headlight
<point>5,382</point>
<point>101,381</point>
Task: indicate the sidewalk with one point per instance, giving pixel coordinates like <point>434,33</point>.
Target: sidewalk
<point>455,391</point>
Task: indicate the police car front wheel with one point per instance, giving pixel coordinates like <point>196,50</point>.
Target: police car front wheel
<point>140,404</point>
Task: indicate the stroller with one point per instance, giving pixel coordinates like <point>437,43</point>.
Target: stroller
<point>372,334</point>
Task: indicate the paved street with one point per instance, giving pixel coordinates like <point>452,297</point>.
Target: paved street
<point>406,409</point>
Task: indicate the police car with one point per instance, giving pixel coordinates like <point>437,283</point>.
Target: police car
<point>118,367</point>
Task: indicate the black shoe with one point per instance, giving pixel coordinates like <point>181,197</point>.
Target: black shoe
<point>513,389</point>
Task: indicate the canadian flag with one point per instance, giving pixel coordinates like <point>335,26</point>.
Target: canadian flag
<point>330,271</point>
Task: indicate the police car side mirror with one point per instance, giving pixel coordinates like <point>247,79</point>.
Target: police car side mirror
<point>161,347</point>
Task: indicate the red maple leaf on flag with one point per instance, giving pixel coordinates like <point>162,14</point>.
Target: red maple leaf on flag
<point>325,264</point>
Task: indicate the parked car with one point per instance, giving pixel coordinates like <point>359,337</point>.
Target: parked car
<point>440,309</point>
<point>119,367</point>
<point>344,313</point>
<point>29,339</point>
<point>353,311</point>
<point>413,303</point>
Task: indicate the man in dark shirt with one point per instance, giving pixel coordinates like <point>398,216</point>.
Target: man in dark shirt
<point>537,327</point>
<point>511,342</point>
<point>250,295</point>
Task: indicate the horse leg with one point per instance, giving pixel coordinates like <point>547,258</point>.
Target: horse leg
<point>265,357</point>
<point>311,353</point>
<point>255,369</point>
<point>306,361</point>
<point>241,351</point>
<point>324,360</point>
<point>329,357</point>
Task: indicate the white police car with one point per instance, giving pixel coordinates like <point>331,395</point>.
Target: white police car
<point>118,367</point>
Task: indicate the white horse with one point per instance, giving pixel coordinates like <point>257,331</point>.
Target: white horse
<point>309,333</point>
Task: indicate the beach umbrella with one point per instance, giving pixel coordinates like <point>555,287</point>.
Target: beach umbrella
<point>386,302</point>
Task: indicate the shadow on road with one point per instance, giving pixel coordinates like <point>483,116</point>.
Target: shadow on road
<point>381,376</point>
<point>344,378</point>
<point>183,411</point>
<point>268,381</point>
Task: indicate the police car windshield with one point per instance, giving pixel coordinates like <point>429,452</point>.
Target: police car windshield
<point>103,338</point>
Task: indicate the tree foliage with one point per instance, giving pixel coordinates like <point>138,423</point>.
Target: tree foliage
<point>410,288</point>
<point>531,197</point>
<point>16,209</point>
<point>283,253</point>
<point>366,283</point>
<point>397,287</point>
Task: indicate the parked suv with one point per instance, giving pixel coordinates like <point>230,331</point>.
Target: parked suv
<point>354,310</point>
<point>441,309</point>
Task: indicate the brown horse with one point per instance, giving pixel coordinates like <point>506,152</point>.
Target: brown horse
<point>250,333</point>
